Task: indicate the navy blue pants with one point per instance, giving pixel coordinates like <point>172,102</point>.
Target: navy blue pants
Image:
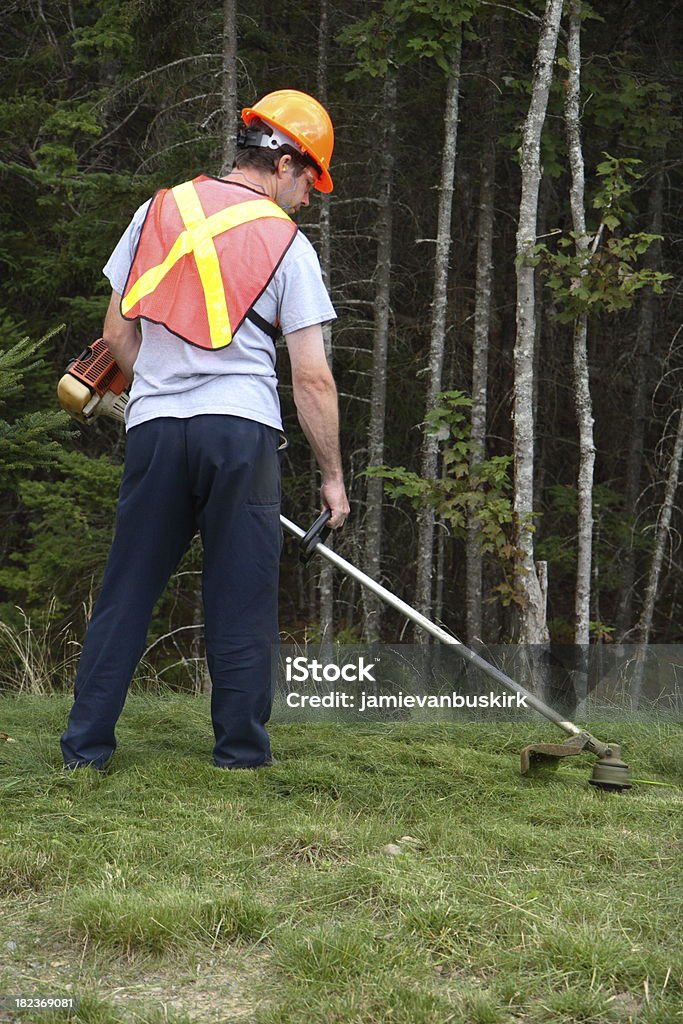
<point>219,475</point>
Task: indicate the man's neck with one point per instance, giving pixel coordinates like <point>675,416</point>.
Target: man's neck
<point>253,178</point>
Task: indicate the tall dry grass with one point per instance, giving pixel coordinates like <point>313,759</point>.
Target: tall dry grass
<point>37,659</point>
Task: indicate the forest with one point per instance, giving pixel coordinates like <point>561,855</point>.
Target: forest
<point>502,247</point>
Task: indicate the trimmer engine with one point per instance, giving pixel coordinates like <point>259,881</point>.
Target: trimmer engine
<point>93,385</point>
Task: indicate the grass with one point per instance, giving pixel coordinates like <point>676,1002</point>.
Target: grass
<point>389,874</point>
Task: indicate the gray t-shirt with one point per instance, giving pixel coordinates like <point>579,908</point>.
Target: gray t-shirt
<point>173,378</point>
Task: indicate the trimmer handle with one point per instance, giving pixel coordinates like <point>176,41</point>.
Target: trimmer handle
<point>318,533</point>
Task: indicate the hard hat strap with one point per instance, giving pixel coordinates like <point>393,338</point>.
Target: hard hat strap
<point>265,137</point>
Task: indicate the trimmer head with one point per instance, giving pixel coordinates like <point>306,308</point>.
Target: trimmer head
<point>609,771</point>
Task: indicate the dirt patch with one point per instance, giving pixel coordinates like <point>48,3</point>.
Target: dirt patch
<point>221,988</point>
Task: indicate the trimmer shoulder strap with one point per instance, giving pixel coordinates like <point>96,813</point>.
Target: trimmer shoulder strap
<point>270,329</point>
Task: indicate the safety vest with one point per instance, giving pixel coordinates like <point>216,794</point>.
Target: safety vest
<point>205,255</point>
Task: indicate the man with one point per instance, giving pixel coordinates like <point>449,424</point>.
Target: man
<point>208,269</point>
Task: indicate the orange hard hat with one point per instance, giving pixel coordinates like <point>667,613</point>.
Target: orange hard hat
<point>305,120</point>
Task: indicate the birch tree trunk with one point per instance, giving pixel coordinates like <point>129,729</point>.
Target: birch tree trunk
<point>543,328</point>
<point>533,628</point>
<point>229,83</point>
<point>661,534</point>
<point>326,578</point>
<point>429,460</point>
<point>373,516</point>
<point>641,391</point>
<point>644,625</point>
<point>482,319</point>
<point>582,394</point>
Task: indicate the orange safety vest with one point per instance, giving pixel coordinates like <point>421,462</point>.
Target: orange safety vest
<point>205,255</point>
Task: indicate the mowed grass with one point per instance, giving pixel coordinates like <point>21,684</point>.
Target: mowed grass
<point>167,890</point>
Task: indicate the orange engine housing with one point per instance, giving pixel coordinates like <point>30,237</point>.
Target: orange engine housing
<point>93,385</point>
<point>98,370</point>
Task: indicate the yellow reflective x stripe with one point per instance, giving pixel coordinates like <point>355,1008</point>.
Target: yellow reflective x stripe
<point>197,238</point>
<point>206,258</point>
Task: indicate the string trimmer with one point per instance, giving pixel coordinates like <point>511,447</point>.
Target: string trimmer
<point>93,385</point>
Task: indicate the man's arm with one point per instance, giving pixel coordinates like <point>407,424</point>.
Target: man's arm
<point>121,336</point>
<point>315,397</point>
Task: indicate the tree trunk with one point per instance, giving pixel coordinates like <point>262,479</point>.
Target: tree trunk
<point>441,552</point>
<point>661,534</point>
<point>644,625</point>
<point>326,578</point>
<point>322,199</point>
<point>544,327</point>
<point>313,581</point>
<point>429,462</point>
<point>373,516</point>
<point>584,483</point>
<point>533,628</point>
<point>229,83</point>
<point>582,394</point>
<point>482,318</point>
<point>641,391</point>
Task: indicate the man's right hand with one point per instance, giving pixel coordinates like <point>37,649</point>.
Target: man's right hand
<point>333,496</point>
